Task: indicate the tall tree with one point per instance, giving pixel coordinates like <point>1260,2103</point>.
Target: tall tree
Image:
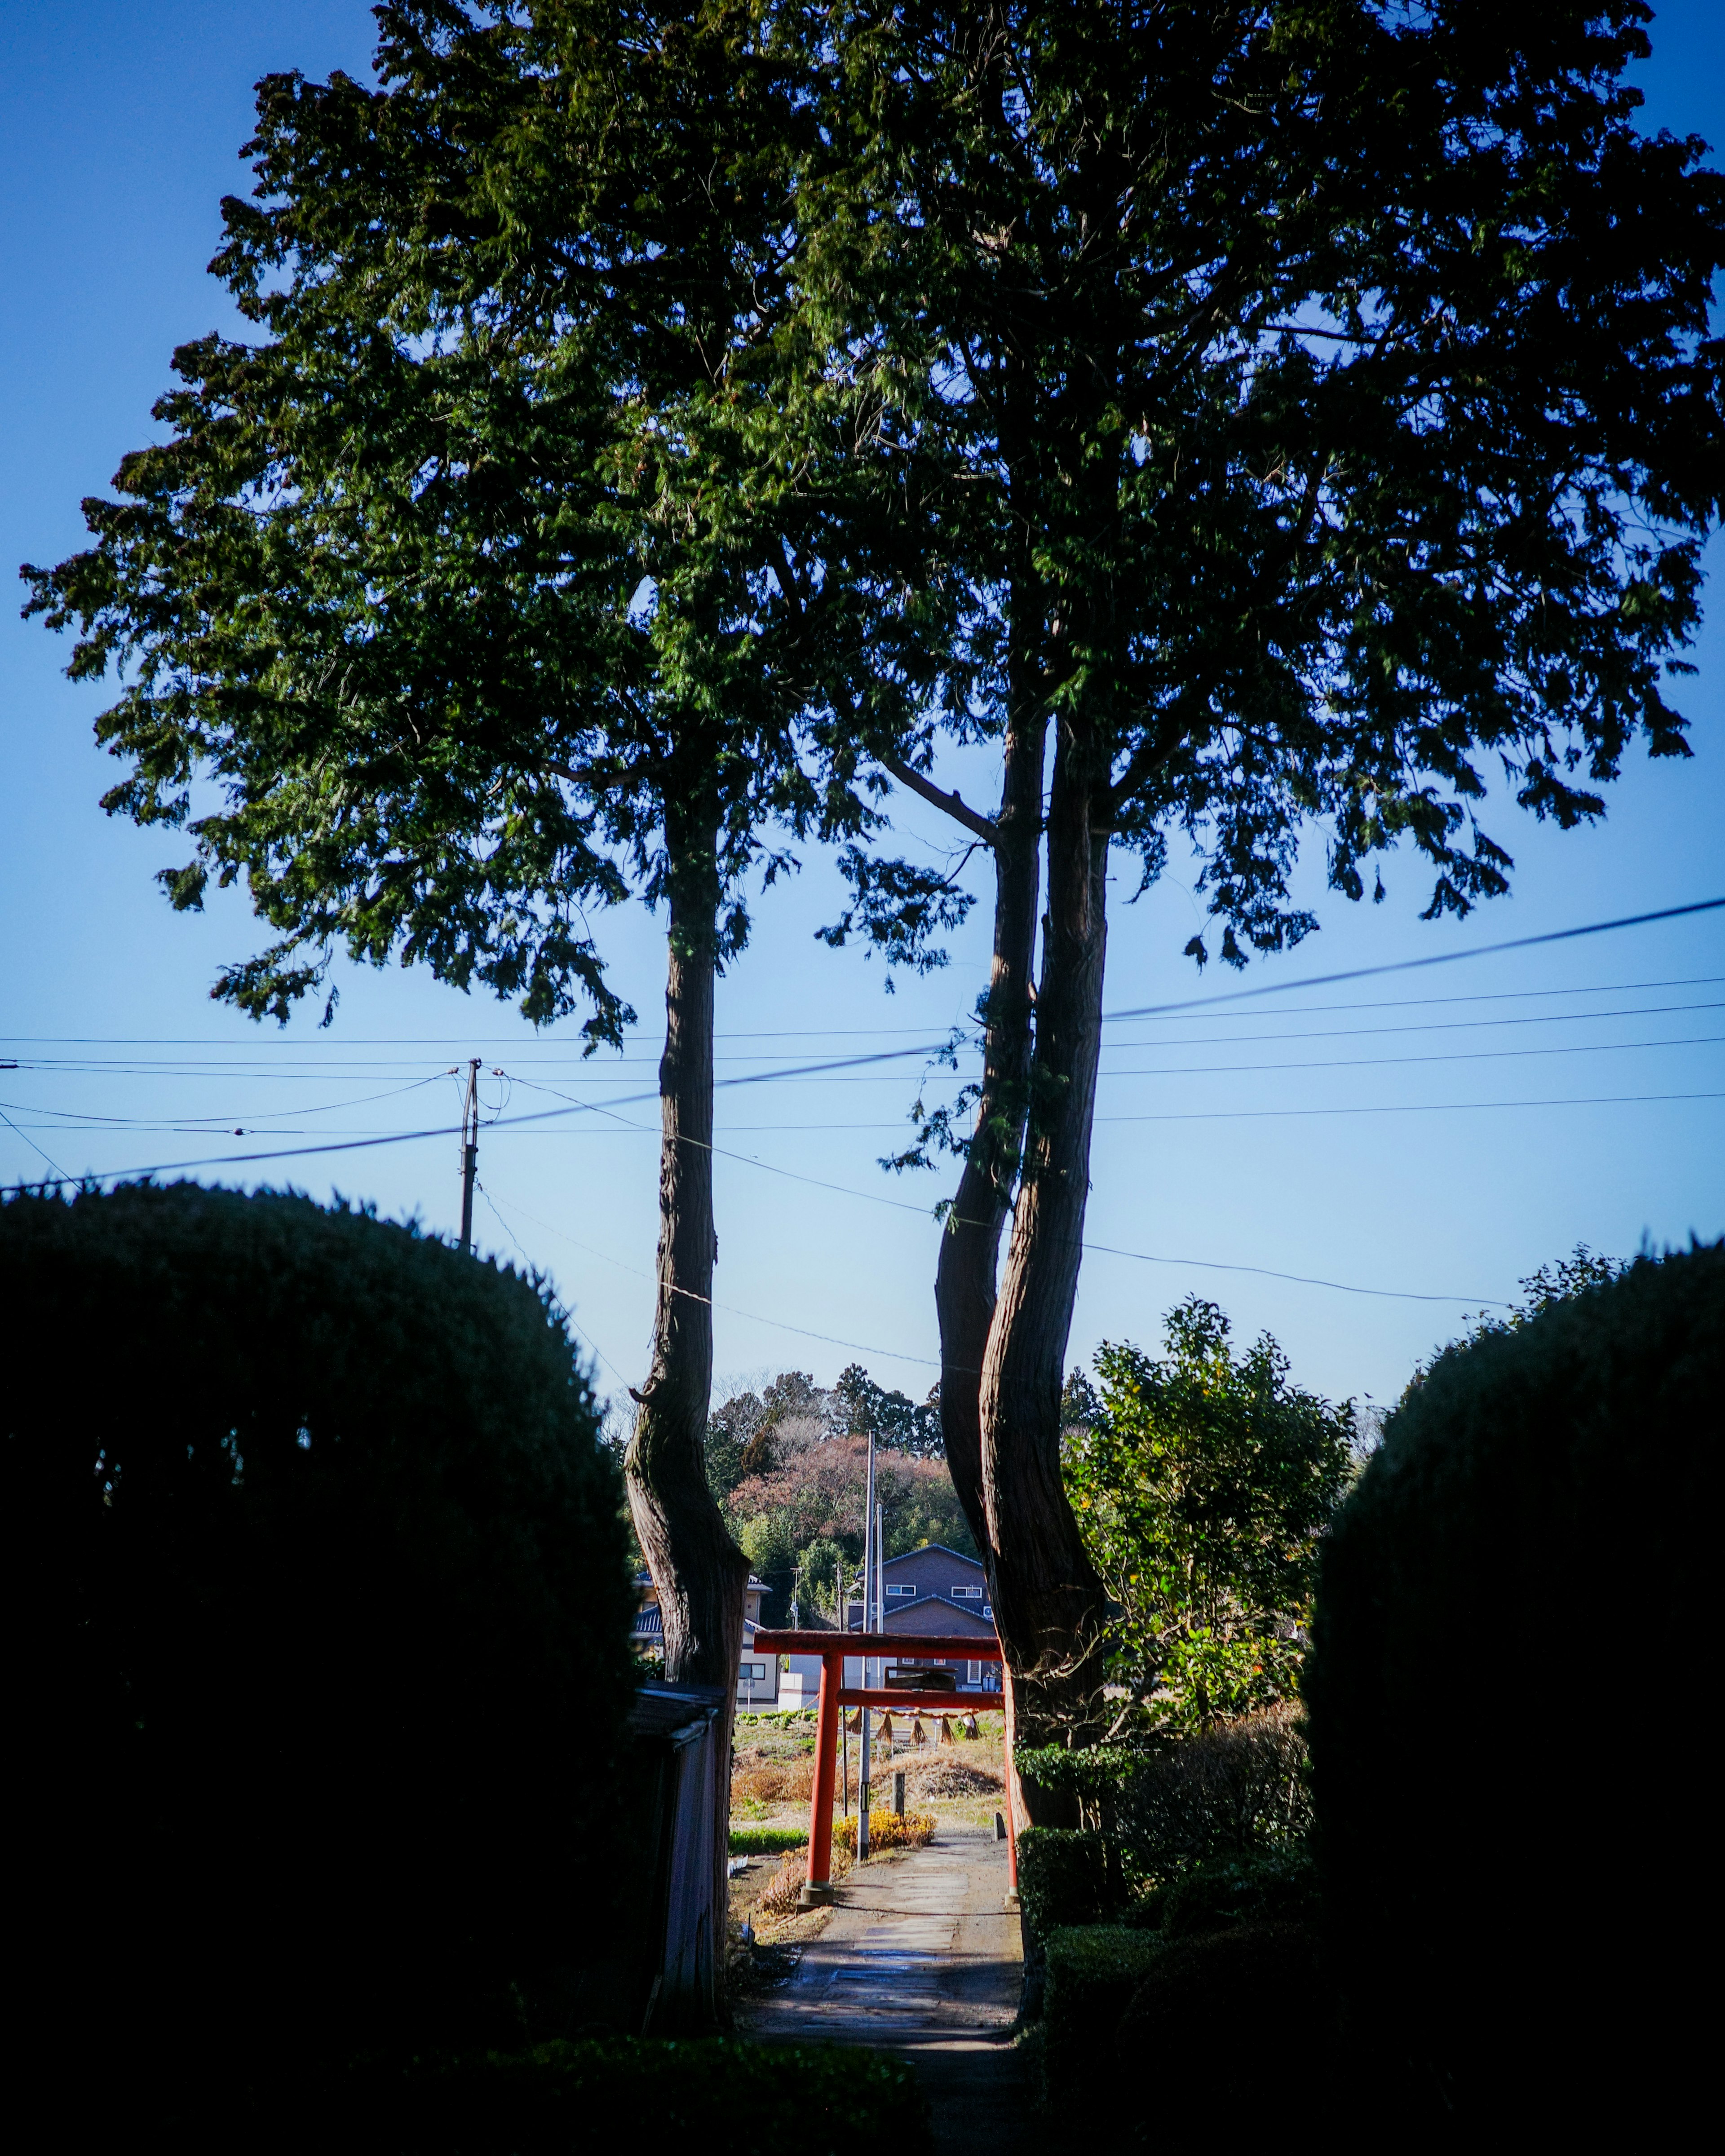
<point>513,566</point>
<point>1335,388</point>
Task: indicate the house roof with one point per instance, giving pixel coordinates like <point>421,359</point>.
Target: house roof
<point>933,1613</point>
<point>931,1549</point>
<point>755,1586</point>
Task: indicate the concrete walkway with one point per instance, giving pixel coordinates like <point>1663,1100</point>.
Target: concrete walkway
<point>920,1959</point>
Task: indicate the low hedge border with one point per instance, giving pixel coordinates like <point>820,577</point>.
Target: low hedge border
<point>727,2097</point>
<point>1063,1879</point>
<point>1093,1971</point>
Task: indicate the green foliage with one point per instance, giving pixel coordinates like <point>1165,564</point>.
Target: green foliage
<point>1092,1975</point>
<point>716,2094</point>
<point>321,1625</point>
<point>516,561</point>
<point>1244,2022</point>
<point>1215,1896</point>
<point>824,1563</point>
<point>1236,1787</point>
<point>1554,1282</point>
<point>1202,1488</point>
<point>1421,501</point>
<point>860,1408</point>
<point>1532,1542</point>
<point>1063,1879</point>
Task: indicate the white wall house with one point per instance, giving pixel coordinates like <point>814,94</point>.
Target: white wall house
<point>757,1675</point>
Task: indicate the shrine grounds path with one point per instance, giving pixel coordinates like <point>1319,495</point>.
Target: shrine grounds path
<point>919,1958</point>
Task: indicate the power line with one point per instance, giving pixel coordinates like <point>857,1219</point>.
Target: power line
<point>1410,1108</point>
<point>905,1205</point>
<point>1414,965</point>
<point>858,1347</point>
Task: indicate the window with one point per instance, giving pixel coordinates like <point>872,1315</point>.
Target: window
<point>900,1590</point>
<point>751,1673</point>
<point>967,1595</point>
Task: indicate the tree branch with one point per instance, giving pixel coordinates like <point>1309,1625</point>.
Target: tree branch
<point>982,826</point>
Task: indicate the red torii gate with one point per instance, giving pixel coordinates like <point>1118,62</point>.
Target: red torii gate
<point>835,1648</point>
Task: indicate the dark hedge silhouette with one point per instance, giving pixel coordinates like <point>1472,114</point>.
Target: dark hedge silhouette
<point>320,1640</point>
<point>1518,1593</point>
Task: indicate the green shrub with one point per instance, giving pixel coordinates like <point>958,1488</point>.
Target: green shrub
<point>1063,1879</point>
<point>726,2098</point>
<point>1527,1572</point>
<point>1093,1974</point>
<point>322,1615</point>
<point>1229,1891</point>
<point>1239,2029</point>
<point>1237,1786</point>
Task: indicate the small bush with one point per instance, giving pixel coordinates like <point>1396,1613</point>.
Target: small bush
<point>724,2097</point>
<point>1529,1562</point>
<point>1237,1786</point>
<point>1093,1974</point>
<point>887,1830</point>
<point>1230,1890</point>
<point>782,1894</point>
<point>322,1645</point>
<point>1063,1879</point>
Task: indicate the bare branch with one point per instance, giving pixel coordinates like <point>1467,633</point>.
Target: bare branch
<point>972,819</point>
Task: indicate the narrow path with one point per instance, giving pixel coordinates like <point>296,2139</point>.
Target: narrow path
<point>920,1959</point>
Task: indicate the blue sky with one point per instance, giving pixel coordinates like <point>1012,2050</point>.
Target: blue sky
<point>1435,1148</point>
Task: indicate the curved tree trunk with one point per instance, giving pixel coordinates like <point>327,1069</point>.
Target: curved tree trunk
<point>964,1287</point>
<point>1048,1599</point>
<point>699,1571</point>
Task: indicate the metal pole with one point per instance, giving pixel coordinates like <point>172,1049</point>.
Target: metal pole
<point>469,1153</point>
<point>862,1792</point>
<point>842,1618</point>
<point>880,1593</point>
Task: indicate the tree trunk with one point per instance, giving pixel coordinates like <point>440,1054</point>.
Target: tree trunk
<point>699,1571</point>
<point>1048,1599</point>
<point>964,1286</point>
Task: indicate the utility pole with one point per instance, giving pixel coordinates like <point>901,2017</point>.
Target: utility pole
<point>862,1793</point>
<point>469,1153</point>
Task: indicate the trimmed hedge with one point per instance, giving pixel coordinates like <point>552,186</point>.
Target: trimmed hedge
<point>1063,1879</point>
<point>1237,2030</point>
<point>1093,1971</point>
<point>1229,1890</point>
<point>1524,1578</point>
<point>321,1625</point>
<point>716,2095</point>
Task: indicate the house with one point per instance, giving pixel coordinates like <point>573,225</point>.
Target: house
<point>934,1589</point>
<point>757,1676</point>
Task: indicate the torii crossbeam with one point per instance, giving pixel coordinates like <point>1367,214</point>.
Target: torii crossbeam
<point>835,1648</point>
